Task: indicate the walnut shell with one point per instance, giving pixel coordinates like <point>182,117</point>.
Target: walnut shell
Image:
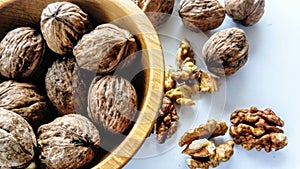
<point>104,48</point>
<point>68,142</point>
<point>158,11</point>
<point>201,15</point>
<point>17,141</point>
<point>226,51</point>
<point>25,100</point>
<point>247,12</point>
<point>21,52</point>
<point>112,103</point>
<point>62,25</point>
<point>65,86</point>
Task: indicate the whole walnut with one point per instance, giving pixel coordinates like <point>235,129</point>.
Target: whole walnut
<point>158,11</point>
<point>104,48</point>
<point>201,15</point>
<point>65,86</point>
<point>25,100</point>
<point>68,142</point>
<point>112,103</point>
<point>247,12</point>
<point>21,52</point>
<point>18,141</point>
<point>226,51</point>
<point>62,25</point>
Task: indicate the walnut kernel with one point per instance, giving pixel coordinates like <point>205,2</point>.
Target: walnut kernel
<point>202,150</point>
<point>167,122</point>
<point>258,129</point>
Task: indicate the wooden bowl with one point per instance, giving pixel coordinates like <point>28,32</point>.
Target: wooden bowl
<point>16,13</point>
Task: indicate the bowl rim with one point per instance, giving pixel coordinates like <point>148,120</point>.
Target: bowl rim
<point>152,50</point>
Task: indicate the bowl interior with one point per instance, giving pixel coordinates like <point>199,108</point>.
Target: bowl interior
<point>147,74</point>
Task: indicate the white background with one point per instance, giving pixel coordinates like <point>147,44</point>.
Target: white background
<point>270,79</point>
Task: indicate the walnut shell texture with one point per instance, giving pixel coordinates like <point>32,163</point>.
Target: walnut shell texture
<point>17,141</point>
<point>68,142</point>
<point>158,11</point>
<point>248,12</point>
<point>21,52</point>
<point>62,25</point>
<point>65,86</point>
<point>112,103</point>
<point>25,100</point>
<point>201,15</point>
<point>104,48</point>
<point>226,51</point>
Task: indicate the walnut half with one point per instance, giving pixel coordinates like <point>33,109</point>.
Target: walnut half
<point>202,150</point>
<point>258,129</point>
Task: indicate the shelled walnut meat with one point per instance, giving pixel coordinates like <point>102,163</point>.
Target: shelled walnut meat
<point>105,48</point>
<point>247,12</point>
<point>158,11</point>
<point>202,150</point>
<point>112,103</point>
<point>253,128</point>
<point>62,25</point>
<point>70,141</point>
<point>65,86</point>
<point>226,51</point>
<point>21,53</point>
<point>167,121</point>
<point>181,84</point>
<point>17,141</point>
<point>201,15</point>
<point>25,100</point>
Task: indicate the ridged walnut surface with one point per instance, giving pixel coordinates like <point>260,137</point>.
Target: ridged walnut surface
<point>17,141</point>
<point>16,13</point>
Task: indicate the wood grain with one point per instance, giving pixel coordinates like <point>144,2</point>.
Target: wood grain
<point>15,13</point>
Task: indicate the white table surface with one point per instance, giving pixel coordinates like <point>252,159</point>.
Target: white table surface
<point>270,79</point>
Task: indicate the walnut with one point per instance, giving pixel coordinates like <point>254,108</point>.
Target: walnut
<point>201,15</point>
<point>167,122</point>
<point>18,141</point>
<point>258,129</point>
<point>182,94</point>
<point>209,130</point>
<point>62,25</point>
<point>21,53</point>
<point>104,48</point>
<point>226,51</point>
<point>112,103</point>
<point>247,12</point>
<point>222,153</point>
<point>158,11</point>
<point>65,86</point>
<point>185,51</point>
<point>70,141</point>
<point>169,83</point>
<point>203,151</point>
<point>208,82</point>
<point>26,100</point>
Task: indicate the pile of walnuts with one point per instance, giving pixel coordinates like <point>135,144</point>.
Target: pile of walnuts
<point>44,94</point>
